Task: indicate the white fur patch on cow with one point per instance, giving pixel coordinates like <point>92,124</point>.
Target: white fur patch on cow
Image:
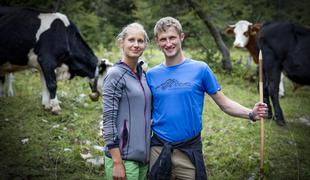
<point>62,72</point>
<point>45,92</point>
<point>54,104</point>
<point>33,59</point>
<point>102,76</point>
<point>47,19</point>
<point>10,79</point>
<point>239,29</point>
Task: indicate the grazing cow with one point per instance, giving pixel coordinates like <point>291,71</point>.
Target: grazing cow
<point>285,48</point>
<point>49,42</point>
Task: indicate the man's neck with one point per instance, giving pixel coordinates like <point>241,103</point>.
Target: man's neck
<point>172,61</point>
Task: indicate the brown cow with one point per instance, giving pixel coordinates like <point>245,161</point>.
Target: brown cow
<point>245,37</point>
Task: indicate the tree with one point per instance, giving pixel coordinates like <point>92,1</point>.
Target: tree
<point>198,37</point>
<point>114,14</point>
<point>226,63</point>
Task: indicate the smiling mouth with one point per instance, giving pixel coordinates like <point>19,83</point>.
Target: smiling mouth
<point>169,49</point>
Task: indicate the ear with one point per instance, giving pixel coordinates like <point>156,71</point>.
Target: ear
<point>254,29</point>
<point>182,36</point>
<point>103,64</point>
<point>230,29</point>
<point>156,39</point>
<point>120,43</point>
<point>157,43</point>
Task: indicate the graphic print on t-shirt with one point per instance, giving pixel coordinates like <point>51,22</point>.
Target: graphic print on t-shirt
<point>172,84</point>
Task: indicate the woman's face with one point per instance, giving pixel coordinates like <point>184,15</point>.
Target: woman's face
<point>134,43</point>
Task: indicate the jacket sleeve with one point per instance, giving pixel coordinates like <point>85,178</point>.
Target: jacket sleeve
<point>112,93</point>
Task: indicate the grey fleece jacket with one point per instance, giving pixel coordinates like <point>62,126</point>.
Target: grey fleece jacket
<point>127,112</point>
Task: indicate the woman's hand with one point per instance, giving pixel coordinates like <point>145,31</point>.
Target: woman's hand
<point>119,172</point>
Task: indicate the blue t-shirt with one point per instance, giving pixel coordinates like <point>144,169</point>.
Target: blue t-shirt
<point>178,96</point>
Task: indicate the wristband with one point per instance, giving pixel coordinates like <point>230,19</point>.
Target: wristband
<point>251,117</point>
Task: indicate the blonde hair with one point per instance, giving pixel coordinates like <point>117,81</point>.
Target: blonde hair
<point>164,23</point>
<point>122,35</point>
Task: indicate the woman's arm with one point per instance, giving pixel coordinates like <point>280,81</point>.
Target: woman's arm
<point>119,171</point>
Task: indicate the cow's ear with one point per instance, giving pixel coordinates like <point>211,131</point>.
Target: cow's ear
<point>230,29</point>
<point>254,29</point>
<point>103,64</point>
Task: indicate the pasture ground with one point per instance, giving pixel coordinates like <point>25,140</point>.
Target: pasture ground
<point>38,145</point>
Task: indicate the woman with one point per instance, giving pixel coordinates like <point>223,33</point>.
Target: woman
<point>127,109</point>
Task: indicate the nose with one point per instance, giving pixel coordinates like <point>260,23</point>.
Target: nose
<point>136,43</point>
<point>237,45</point>
<point>168,42</point>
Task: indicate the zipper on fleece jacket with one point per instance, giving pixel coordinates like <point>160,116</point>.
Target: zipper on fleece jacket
<point>145,106</point>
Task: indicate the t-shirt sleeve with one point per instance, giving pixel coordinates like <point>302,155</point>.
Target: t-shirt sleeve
<point>210,83</point>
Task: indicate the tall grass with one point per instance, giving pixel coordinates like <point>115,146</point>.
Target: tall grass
<point>38,145</point>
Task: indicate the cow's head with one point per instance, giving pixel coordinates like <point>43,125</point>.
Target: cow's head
<point>96,83</point>
<point>84,63</point>
<point>242,31</point>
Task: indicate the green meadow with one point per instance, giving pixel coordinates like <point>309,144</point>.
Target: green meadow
<point>38,145</point>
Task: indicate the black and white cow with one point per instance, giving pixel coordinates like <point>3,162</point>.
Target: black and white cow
<point>49,42</point>
<point>285,48</point>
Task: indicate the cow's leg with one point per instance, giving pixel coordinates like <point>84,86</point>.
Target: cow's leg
<point>50,80</point>
<point>281,86</point>
<point>10,84</point>
<point>265,93</point>
<point>272,72</point>
<point>45,92</point>
<point>274,93</point>
<point>266,98</point>
<point>2,79</point>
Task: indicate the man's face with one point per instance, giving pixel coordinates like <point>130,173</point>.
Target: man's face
<point>170,42</point>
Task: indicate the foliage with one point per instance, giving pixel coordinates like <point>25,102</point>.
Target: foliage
<point>101,20</point>
<point>114,15</point>
<point>197,35</point>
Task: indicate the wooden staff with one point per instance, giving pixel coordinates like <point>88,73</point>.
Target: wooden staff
<point>262,136</point>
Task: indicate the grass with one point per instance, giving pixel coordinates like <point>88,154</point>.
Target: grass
<point>38,145</point>
<point>232,145</point>
<point>54,142</point>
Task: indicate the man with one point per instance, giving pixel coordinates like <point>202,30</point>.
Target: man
<point>178,86</point>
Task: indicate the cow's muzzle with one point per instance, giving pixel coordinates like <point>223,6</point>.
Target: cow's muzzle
<point>94,95</point>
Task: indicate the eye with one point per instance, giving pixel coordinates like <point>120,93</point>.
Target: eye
<point>131,40</point>
<point>140,41</point>
<point>246,33</point>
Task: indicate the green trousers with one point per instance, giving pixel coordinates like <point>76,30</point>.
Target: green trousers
<point>134,170</point>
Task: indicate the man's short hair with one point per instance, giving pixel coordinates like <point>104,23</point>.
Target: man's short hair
<point>164,23</point>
